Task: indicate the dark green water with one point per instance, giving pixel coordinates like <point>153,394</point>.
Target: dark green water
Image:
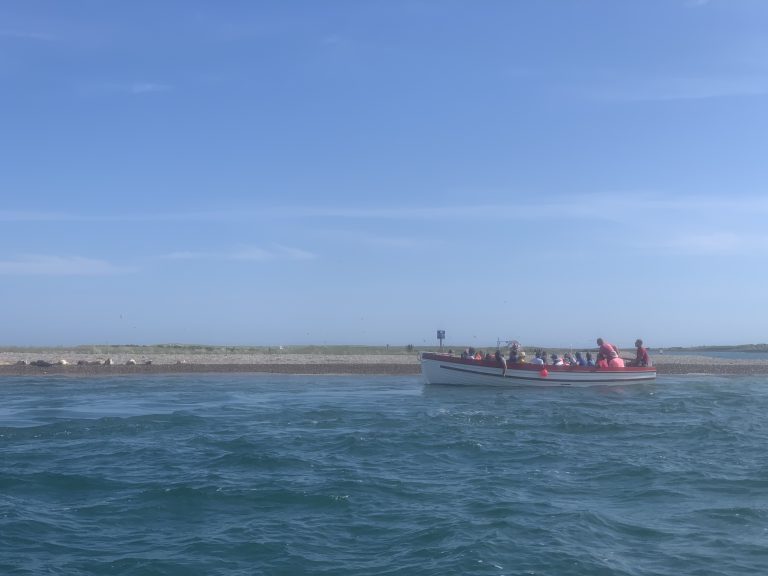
<point>246,474</point>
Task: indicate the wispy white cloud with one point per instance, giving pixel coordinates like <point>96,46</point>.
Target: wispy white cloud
<point>650,203</point>
<point>276,252</point>
<point>189,255</point>
<point>724,243</point>
<point>555,209</point>
<point>356,237</point>
<point>46,265</point>
<point>614,206</point>
<point>394,242</point>
<point>333,40</point>
<point>25,216</point>
<point>132,88</point>
<point>246,254</point>
<point>721,243</point>
<point>148,88</point>
<point>441,212</point>
<point>206,216</point>
<point>684,88</point>
<point>692,225</point>
<point>619,205</point>
<point>25,35</point>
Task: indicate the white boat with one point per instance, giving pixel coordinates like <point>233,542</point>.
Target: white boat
<point>446,369</point>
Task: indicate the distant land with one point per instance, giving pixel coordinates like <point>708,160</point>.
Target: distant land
<point>115,349</point>
<point>333,349</point>
<point>738,348</point>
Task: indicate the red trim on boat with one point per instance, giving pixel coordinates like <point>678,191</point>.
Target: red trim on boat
<point>532,367</point>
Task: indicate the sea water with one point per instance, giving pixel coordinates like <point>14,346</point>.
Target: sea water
<point>256,474</point>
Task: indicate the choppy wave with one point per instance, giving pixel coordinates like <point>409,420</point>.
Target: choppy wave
<point>357,475</point>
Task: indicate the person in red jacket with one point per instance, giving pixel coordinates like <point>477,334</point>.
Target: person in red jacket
<point>641,357</point>
<point>610,352</point>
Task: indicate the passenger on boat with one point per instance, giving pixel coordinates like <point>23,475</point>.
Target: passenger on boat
<point>502,361</point>
<point>611,353</point>
<point>556,360</point>
<point>601,361</point>
<point>590,360</point>
<point>641,358</point>
<point>580,359</point>
<point>514,352</point>
<point>479,355</point>
<point>537,359</point>
<point>568,359</point>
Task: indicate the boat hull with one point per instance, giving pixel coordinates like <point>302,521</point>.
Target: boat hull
<point>443,369</point>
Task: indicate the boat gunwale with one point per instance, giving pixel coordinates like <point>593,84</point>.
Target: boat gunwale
<point>534,367</point>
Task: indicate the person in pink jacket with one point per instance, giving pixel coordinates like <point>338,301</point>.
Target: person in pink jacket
<point>610,352</point>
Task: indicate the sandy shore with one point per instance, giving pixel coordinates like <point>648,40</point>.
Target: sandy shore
<point>77,363</point>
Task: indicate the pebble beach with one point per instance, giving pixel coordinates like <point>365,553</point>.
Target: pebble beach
<point>74,362</point>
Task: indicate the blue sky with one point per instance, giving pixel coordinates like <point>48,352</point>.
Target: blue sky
<point>367,172</point>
